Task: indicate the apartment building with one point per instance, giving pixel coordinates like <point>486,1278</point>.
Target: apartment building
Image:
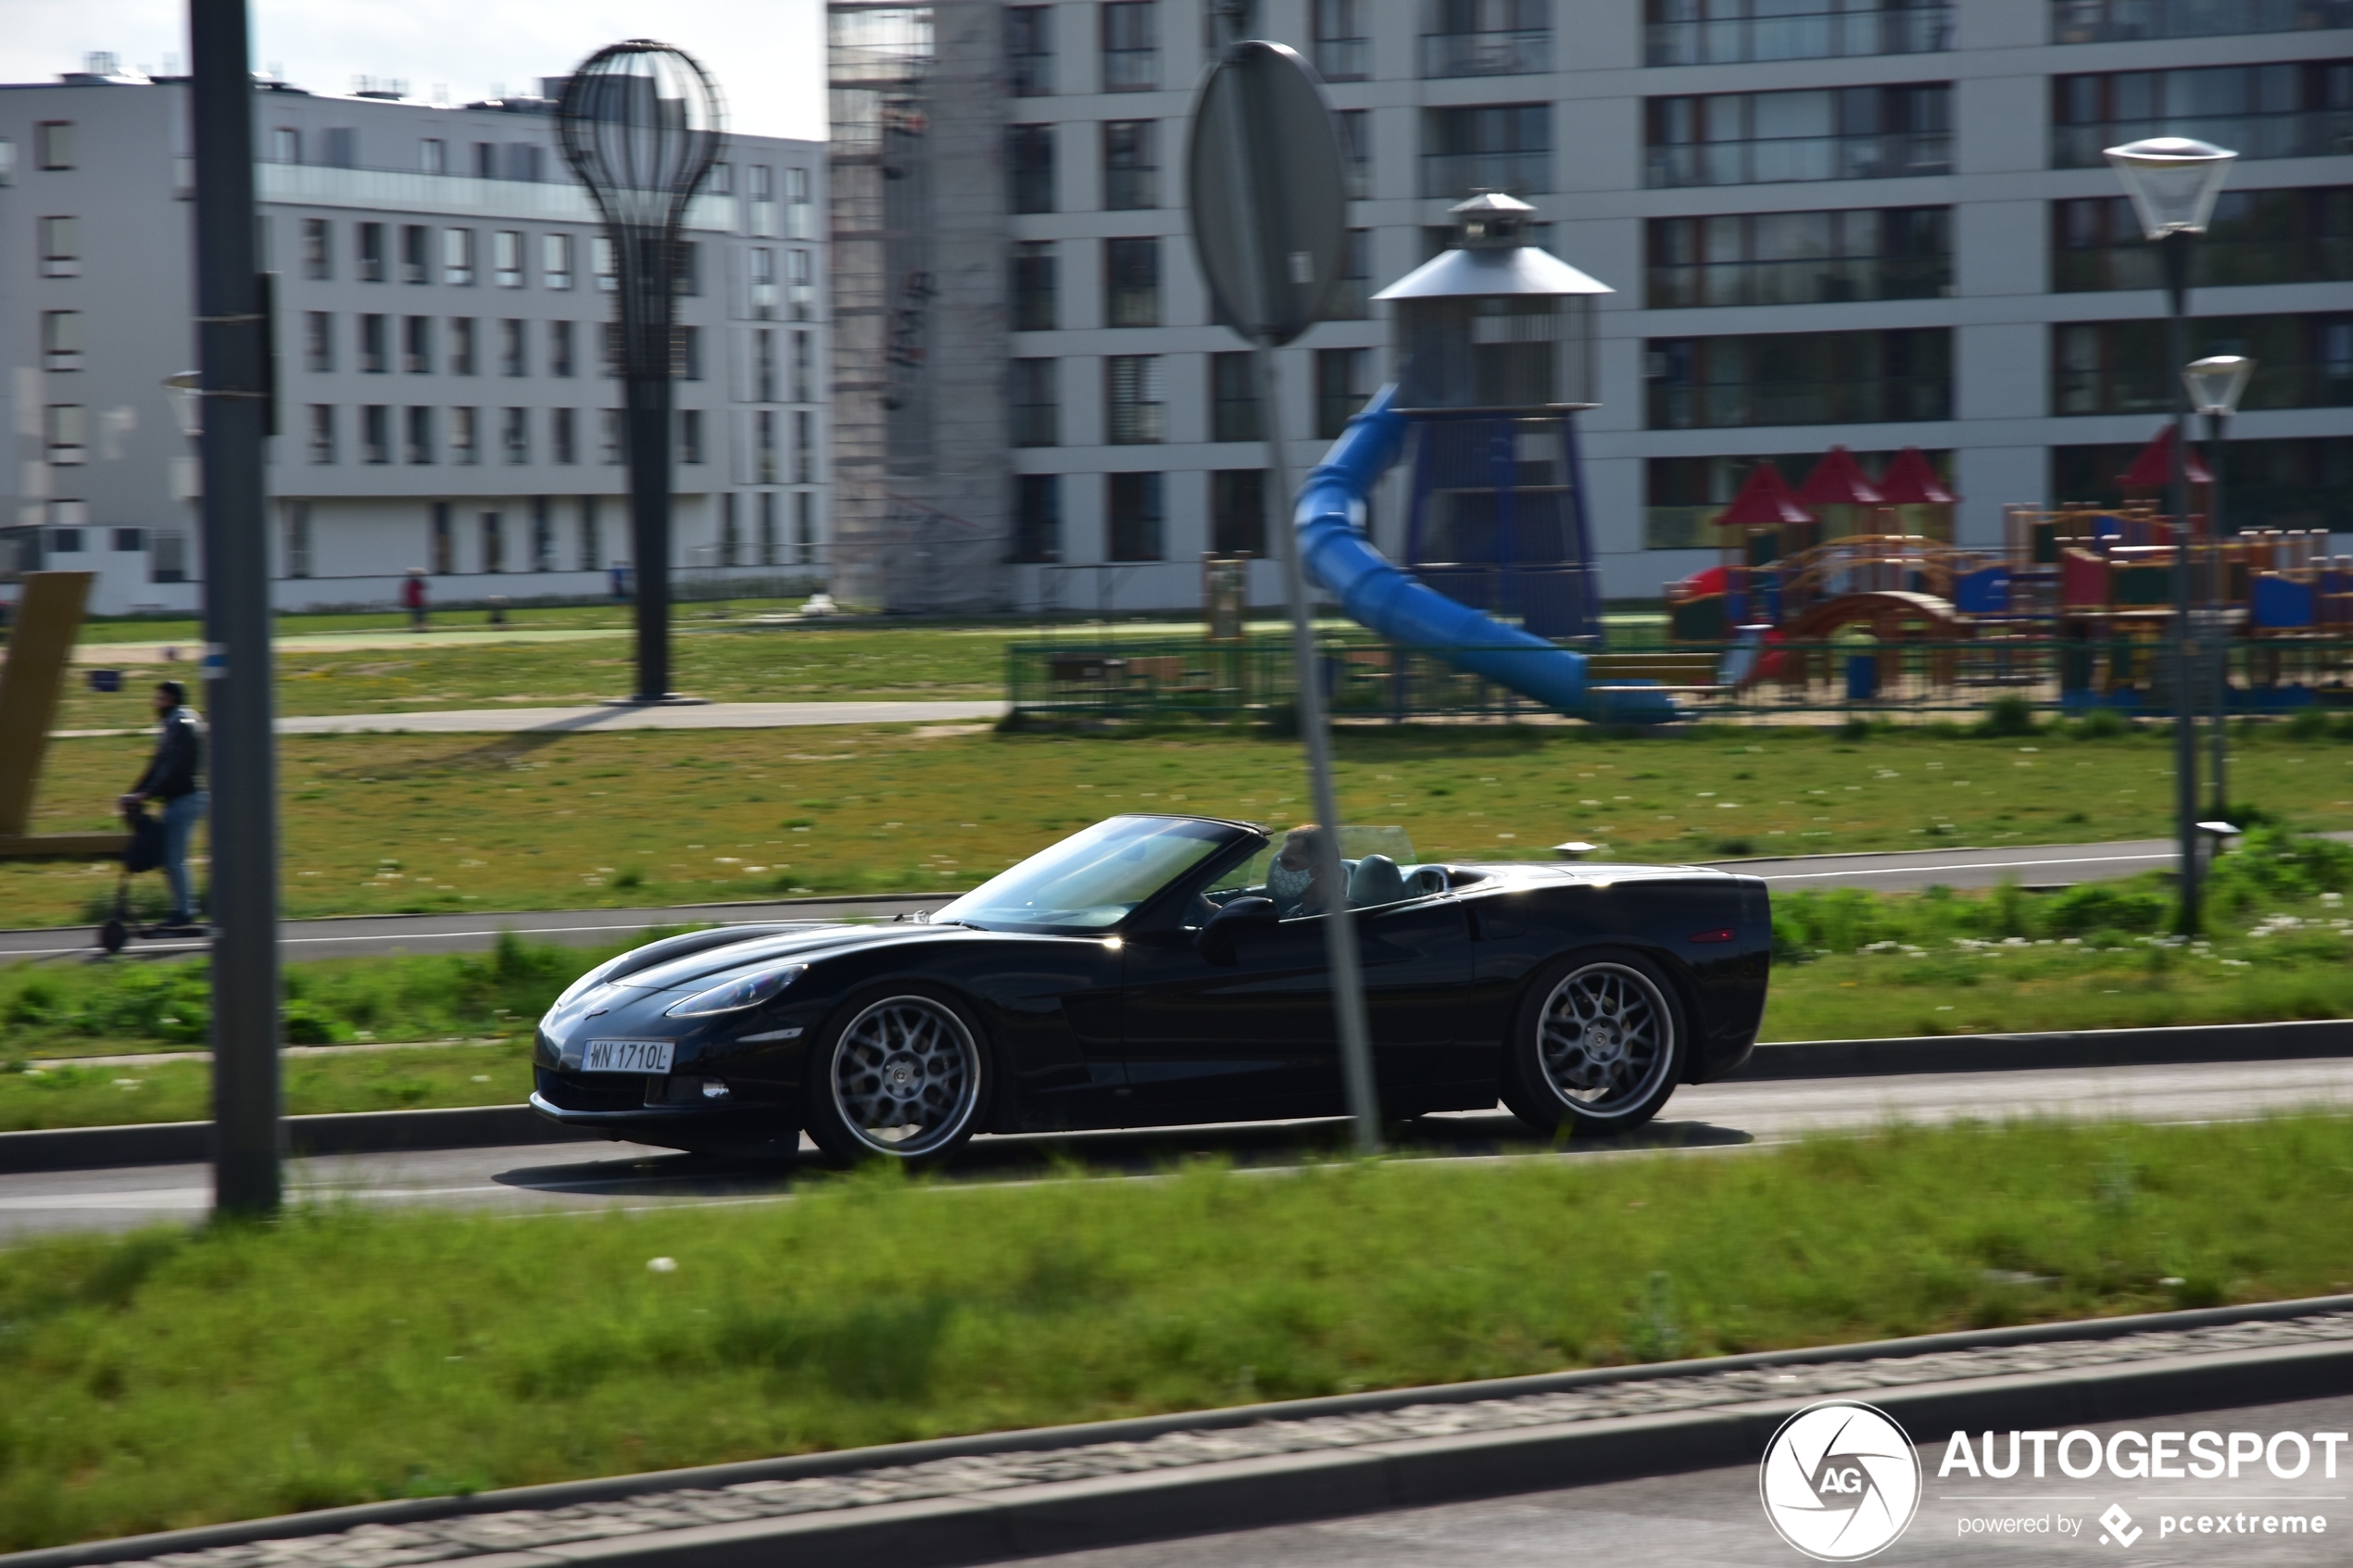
<point>442,308</point>
<point>1878,223</point>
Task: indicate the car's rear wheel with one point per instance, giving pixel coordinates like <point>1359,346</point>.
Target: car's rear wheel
<point>1598,1046</point>
<point>903,1077</point>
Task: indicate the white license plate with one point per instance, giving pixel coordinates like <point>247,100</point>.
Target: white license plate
<point>627,1056</point>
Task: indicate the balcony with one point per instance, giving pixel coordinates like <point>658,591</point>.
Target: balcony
<point>1458,174</point>
<point>2289,133</point>
<point>2121,22</point>
<point>1798,159</point>
<point>1819,35</point>
<point>1487,54</point>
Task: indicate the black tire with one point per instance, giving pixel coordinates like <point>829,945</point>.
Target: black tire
<point>113,935</point>
<point>1598,1045</point>
<point>907,1049</point>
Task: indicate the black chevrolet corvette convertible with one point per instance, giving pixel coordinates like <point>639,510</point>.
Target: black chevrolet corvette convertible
<point>1154,970</point>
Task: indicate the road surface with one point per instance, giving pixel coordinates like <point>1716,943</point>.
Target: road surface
<point>2040,865</point>
<point>1713,1517</point>
<point>1714,1117</point>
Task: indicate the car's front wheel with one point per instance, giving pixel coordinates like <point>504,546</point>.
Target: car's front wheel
<point>903,1075</point>
<point>1598,1045</point>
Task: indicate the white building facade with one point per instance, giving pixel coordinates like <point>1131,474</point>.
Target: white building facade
<point>1866,222</point>
<point>442,295</point>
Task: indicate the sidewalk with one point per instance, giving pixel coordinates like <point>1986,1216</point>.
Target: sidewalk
<point>695,716</point>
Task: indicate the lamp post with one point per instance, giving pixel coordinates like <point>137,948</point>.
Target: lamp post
<point>2173,181</point>
<point>2215,384</point>
<point>640,124</point>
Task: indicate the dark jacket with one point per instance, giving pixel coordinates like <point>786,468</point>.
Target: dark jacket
<point>172,770</point>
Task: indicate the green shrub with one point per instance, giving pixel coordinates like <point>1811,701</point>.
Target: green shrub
<point>2009,716</point>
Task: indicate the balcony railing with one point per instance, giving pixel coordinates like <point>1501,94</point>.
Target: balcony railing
<point>1458,174</point>
<point>2291,134</point>
<point>1831,281</point>
<point>1813,36</point>
<point>2116,22</point>
<point>1803,158</point>
<point>1343,59</point>
<point>1487,54</point>
<point>1742,405</point>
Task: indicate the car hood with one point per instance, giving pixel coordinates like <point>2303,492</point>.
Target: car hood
<point>709,966</point>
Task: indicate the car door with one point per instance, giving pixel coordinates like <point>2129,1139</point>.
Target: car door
<point>1258,1037</point>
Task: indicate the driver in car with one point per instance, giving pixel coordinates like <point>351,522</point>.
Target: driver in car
<point>1295,879</point>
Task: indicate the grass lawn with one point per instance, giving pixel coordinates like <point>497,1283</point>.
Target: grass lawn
<point>173,1378</point>
<point>60,1094</point>
<point>387,823</point>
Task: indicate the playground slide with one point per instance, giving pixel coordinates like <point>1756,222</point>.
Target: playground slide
<point>1377,593</point>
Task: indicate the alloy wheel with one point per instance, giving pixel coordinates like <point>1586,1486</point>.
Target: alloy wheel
<point>906,1076</point>
<point>1604,1036</point>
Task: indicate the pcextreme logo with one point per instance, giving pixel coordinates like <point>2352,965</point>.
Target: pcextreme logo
<point>1840,1480</point>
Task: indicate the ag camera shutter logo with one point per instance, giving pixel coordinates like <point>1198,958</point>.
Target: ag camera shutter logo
<point>1840,1480</point>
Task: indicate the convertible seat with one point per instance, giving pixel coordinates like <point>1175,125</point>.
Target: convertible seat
<point>1376,880</point>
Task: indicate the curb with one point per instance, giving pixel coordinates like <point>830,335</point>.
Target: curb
<point>1292,1487</point>
<point>362,1131</point>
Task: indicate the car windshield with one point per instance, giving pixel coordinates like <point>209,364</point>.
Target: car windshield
<point>1095,878</point>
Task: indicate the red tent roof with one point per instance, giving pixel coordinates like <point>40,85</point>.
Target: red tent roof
<point>1837,480</point>
<point>1911,480</point>
<point>2153,469</point>
<point>1764,502</point>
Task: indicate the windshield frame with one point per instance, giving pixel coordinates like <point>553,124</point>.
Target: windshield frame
<point>1219,857</point>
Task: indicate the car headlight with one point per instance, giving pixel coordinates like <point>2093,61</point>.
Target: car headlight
<point>747,991</point>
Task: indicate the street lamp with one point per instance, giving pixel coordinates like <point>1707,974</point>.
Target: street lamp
<point>2215,384</point>
<point>640,124</point>
<point>2173,181</point>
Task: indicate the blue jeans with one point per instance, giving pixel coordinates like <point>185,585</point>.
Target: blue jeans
<point>179,820</point>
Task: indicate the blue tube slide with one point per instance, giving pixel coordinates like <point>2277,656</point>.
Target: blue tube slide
<point>1377,593</point>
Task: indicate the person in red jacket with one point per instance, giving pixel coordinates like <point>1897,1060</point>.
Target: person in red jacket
<point>412,595</point>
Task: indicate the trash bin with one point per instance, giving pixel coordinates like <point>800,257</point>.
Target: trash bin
<point>1862,677</point>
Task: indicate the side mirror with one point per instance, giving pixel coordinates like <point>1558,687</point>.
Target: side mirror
<point>1216,940</point>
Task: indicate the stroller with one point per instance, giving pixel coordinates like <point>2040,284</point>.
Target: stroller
<point>144,852</point>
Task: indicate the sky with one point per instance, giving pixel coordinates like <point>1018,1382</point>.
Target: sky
<point>767,56</point>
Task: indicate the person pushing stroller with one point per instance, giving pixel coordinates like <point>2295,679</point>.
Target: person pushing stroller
<point>174,780</point>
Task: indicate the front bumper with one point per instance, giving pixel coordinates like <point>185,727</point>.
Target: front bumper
<point>618,1104</point>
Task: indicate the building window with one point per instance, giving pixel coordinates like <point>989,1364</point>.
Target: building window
<point>2122,21</point>
<point>543,534</point>
<point>1233,399</point>
<point>1131,283</point>
<point>375,433</point>
<point>1800,378</point>
<point>514,358</point>
<point>1029,164</point>
<point>800,222</point>
<point>592,544</point>
<point>129,541</point>
<point>1037,402</point>
<point>1131,46</point>
<point>687,278</point>
<point>2255,237</point>
<point>611,436</point>
<point>1343,379</point>
<point>1801,257</point>
<point>2291,109</point>
<point>1037,518</point>
<point>731,539</point>
<point>562,436</point>
<point>2291,483</point>
<point>416,258</point>
<point>298,518</point>
<point>485,160</point>
<point>1238,511</point>
<point>762,264</point>
<point>343,147</point>
<point>506,258</point>
<point>1490,147</point>
<point>800,284</point>
<point>514,434</point>
<point>763,364</point>
<point>1131,165</point>
<point>371,249</point>
<point>321,429</point>
<point>60,247</point>
<point>1343,42</point>
<point>317,341</point>
<point>1682,497</point>
<point>1036,309</point>
<point>687,360</point>
<point>462,347</point>
<point>1488,38</point>
<point>804,376</point>
<point>375,351</point>
<point>560,349</point>
<point>804,516</point>
<point>690,436</point>
<point>167,557</point>
<point>67,541</point>
<point>764,446</point>
<point>804,447</point>
<point>606,263</point>
<point>465,436</point>
<point>1353,301</point>
<point>555,261</point>
<point>458,257</point>
<point>612,366</point>
<point>53,144</point>
<point>1825,133</point>
<point>444,543</point>
<point>318,249</point>
<point>1723,33</point>
<point>766,506</point>
<point>1029,49</point>
<point>416,346</point>
<point>420,444</point>
<point>494,542</point>
<point>2302,361</point>
<point>1131,387</point>
<point>433,155</point>
<point>61,347</point>
<point>1136,517</point>
<point>1355,126</point>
